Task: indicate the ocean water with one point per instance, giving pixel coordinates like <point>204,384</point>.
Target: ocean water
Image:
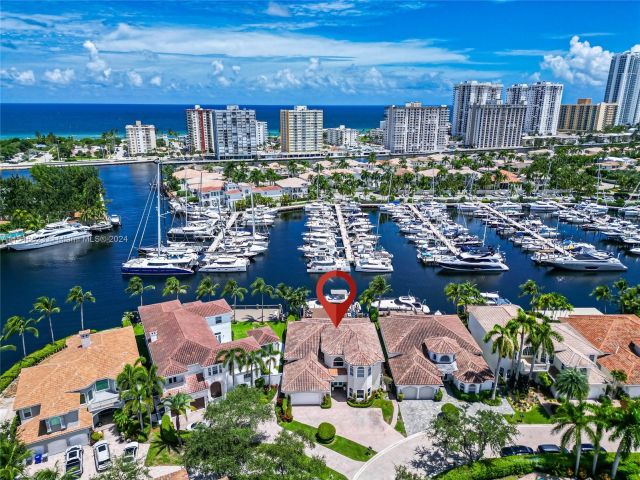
<point>86,120</point>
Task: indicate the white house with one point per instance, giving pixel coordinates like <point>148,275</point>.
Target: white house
<point>294,187</point>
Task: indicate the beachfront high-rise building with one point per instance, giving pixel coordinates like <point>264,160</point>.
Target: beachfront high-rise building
<point>495,126</point>
<point>234,133</point>
<point>623,87</point>
<point>543,105</point>
<point>416,129</point>
<point>262,133</point>
<point>341,136</point>
<point>585,116</point>
<point>141,139</point>
<point>470,93</point>
<point>301,130</point>
<point>200,129</point>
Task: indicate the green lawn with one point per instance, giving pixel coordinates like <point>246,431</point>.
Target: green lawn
<point>160,454</point>
<point>400,425</point>
<point>537,415</point>
<point>340,445</point>
<point>239,330</point>
<point>330,474</point>
<point>387,408</point>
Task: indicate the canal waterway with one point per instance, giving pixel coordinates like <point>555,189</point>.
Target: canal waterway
<point>96,266</point>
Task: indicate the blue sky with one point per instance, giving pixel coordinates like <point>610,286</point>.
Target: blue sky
<point>315,52</point>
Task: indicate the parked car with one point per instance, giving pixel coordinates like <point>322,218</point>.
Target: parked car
<point>194,425</point>
<point>589,447</point>
<point>550,448</point>
<point>516,450</point>
<point>73,459</point>
<point>130,451</point>
<point>102,455</point>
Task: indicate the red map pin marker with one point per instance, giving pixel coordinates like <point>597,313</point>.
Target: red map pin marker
<point>336,311</point>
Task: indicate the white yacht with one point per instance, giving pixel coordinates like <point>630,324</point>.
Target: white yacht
<point>373,265</point>
<point>472,263</point>
<point>542,206</point>
<point>52,234</point>
<point>588,261</point>
<point>405,303</point>
<point>328,264</point>
<point>225,263</point>
<point>158,265</point>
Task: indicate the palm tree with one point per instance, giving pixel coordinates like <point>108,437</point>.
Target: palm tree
<point>552,301</point>
<point>602,293</point>
<point>253,360</point>
<point>575,422</point>
<point>130,375</point>
<point>206,287</point>
<point>137,400</point>
<point>521,325</point>
<point>626,429</point>
<point>137,288</point>
<point>270,359</point>
<point>541,339</point>
<point>463,295</point>
<point>379,287</point>
<point>236,291</point>
<point>54,473</point>
<point>572,384</point>
<point>178,404</point>
<point>79,297</point>
<point>530,289</point>
<point>47,307</point>
<point>619,377</point>
<point>366,298</point>
<point>172,285</point>
<point>18,325</point>
<point>504,345</point>
<point>259,286</point>
<point>601,420</point>
<point>7,347</point>
<point>13,456</point>
<point>231,359</point>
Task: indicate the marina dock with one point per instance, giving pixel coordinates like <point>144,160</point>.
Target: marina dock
<point>348,253</point>
<point>216,241</point>
<point>452,248</point>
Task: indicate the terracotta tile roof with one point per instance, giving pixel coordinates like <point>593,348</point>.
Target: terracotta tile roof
<point>193,383</point>
<point>405,335</point>
<point>35,430</point>
<point>264,335</point>
<point>208,309</point>
<point>614,335</point>
<point>52,383</point>
<point>306,375</point>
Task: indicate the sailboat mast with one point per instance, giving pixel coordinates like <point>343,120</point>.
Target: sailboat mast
<point>158,182</point>
<point>253,215</point>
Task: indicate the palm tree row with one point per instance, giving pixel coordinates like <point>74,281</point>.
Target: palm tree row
<point>236,359</point>
<point>626,297</point>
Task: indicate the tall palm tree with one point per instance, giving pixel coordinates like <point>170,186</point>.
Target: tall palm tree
<point>503,345</point>
<point>130,375</point>
<point>206,287</point>
<point>270,359</point>
<point>231,359</point>
<point>603,294</point>
<point>47,307</point>
<point>462,295</point>
<point>13,456</point>
<point>572,384</point>
<point>573,421</point>
<point>178,404</point>
<point>236,291</point>
<point>18,325</point>
<point>137,399</point>
<point>601,422</point>
<point>172,285</point>
<point>541,339</point>
<point>530,289</point>
<point>552,301</point>
<point>259,286</point>
<point>626,429</point>
<point>7,347</point>
<point>521,325</point>
<point>619,377</point>
<point>136,287</point>
<point>79,297</point>
<point>378,287</point>
<point>253,360</point>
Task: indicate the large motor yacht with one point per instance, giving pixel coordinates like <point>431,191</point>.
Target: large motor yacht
<point>225,263</point>
<point>588,261</point>
<point>473,262</point>
<point>52,234</point>
<point>406,303</point>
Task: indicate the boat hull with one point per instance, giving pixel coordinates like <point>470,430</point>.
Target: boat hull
<point>22,246</point>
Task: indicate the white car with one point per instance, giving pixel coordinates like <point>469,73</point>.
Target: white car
<point>73,457</point>
<point>130,451</point>
<point>102,455</point>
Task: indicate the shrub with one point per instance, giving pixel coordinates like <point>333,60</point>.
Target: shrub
<point>545,380</point>
<point>96,436</point>
<point>326,433</point>
<point>326,401</point>
<point>400,396</point>
<point>450,409</point>
<point>168,432</point>
<point>352,402</point>
<point>259,383</point>
<point>438,396</point>
<point>29,361</point>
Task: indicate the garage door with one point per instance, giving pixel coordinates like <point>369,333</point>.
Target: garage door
<point>426,393</point>
<point>79,439</point>
<point>306,398</point>
<point>57,446</point>
<point>410,393</point>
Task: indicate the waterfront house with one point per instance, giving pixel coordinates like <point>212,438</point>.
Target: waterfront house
<point>187,341</point>
<point>293,187</point>
<point>320,358</point>
<point>574,351</point>
<point>426,350</point>
<point>60,400</point>
<point>268,191</point>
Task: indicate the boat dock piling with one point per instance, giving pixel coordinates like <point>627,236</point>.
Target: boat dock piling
<point>448,243</point>
<point>216,241</point>
<point>348,253</point>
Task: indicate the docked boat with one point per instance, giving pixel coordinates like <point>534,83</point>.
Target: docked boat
<point>588,261</point>
<point>224,263</point>
<point>52,234</point>
<point>406,303</point>
<point>488,263</point>
<point>543,207</point>
<point>373,265</point>
<point>328,264</point>
<point>157,265</point>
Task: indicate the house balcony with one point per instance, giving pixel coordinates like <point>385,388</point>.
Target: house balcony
<point>538,367</point>
<point>103,400</point>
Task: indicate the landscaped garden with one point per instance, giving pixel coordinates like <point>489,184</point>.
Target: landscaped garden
<point>239,330</point>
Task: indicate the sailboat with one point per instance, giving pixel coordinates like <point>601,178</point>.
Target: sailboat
<point>160,262</point>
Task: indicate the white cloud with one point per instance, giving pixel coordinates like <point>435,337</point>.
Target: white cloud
<point>636,48</point>
<point>61,77</point>
<point>134,78</point>
<point>276,10</point>
<point>156,81</point>
<point>583,64</point>
<point>21,77</point>
<point>96,65</point>
<point>528,53</point>
<point>218,67</point>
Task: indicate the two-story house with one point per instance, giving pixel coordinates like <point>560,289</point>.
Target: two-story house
<point>188,341</point>
<point>426,350</point>
<point>320,357</point>
<point>60,400</point>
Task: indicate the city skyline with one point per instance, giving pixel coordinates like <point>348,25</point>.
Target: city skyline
<point>317,53</point>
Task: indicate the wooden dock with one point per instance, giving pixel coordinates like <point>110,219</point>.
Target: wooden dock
<point>216,241</point>
<point>348,253</point>
<point>448,243</point>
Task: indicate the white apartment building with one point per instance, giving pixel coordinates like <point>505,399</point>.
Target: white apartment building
<point>416,129</point>
<point>234,133</point>
<point>623,87</point>
<point>301,130</point>
<point>470,93</point>
<point>140,138</point>
<point>200,129</point>
<point>262,133</point>
<point>495,126</point>
<point>341,136</point>
<point>543,101</point>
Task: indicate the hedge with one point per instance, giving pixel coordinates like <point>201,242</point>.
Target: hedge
<point>29,361</point>
<point>450,409</point>
<point>518,465</point>
<point>326,433</point>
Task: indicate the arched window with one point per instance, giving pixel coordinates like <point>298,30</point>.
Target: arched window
<point>338,362</point>
<point>445,358</point>
<point>472,388</point>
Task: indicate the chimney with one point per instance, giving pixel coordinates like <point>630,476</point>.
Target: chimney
<point>153,336</point>
<point>85,338</point>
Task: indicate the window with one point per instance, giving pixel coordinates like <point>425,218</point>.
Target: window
<point>172,380</point>
<point>592,358</point>
<point>351,370</point>
<point>368,392</point>
<point>359,394</point>
<point>26,413</point>
<point>369,372</point>
<point>338,362</point>
<point>219,337</point>
<point>445,358</point>
<point>214,370</point>
<point>102,385</point>
<point>90,395</point>
<point>350,392</point>
<point>360,372</point>
<point>83,399</point>
<point>247,377</point>
<point>218,319</point>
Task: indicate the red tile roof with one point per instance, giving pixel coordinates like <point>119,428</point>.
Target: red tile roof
<point>306,375</point>
<point>264,335</point>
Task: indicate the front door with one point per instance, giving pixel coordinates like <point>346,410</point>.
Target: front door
<point>215,390</point>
